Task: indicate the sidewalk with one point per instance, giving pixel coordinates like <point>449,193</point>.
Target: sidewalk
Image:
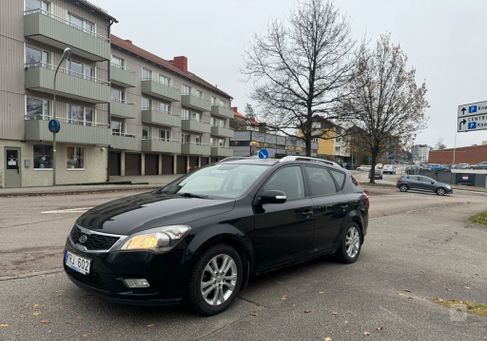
<point>116,184</point>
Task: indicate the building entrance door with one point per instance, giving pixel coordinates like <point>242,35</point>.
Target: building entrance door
<point>12,167</point>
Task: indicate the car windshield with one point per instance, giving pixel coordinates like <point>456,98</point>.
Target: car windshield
<point>222,180</point>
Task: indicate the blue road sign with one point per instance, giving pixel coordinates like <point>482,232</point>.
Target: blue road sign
<point>263,153</point>
<point>472,109</point>
<point>472,125</point>
<point>54,126</point>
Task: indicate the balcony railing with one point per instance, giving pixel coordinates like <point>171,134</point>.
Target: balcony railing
<point>67,72</point>
<point>64,21</point>
<point>52,30</point>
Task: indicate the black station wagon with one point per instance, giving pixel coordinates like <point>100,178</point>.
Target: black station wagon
<point>202,237</point>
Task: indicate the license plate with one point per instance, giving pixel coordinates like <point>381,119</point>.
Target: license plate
<point>77,263</point>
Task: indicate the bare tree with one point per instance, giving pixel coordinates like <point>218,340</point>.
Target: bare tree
<point>300,70</point>
<point>387,103</point>
<point>440,144</point>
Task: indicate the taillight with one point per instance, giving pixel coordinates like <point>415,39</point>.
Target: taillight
<point>366,199</point>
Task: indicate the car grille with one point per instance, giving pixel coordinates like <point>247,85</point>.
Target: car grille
<point>94,241</point>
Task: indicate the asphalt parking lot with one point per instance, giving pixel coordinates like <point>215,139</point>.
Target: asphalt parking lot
<point>419,246</point>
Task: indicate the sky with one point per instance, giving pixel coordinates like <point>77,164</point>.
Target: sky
<point>444,41</point>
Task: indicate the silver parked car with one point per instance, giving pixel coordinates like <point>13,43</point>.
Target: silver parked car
<point>423,183</point>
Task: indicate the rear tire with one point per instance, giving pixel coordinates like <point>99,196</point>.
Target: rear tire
<point>440,191</point>
<point>403,188</point>
<point>216,280</point>
<point>351,245</point>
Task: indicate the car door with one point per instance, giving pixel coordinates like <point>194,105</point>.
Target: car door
<point>424,183</point>
<point>283,232</point>
<point>330,205</point>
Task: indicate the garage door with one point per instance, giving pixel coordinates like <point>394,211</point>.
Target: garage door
<point>114,164</point>
<point>193,163</point>
<point>151,162</point>
<point>167,164</point>
<point>132,164</point>
<point>181,164</point>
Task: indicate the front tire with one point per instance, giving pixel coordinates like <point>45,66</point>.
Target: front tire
<point>403,188</point>
<point>440,191</point>
<point>351,245</point>
<point>215,280</point>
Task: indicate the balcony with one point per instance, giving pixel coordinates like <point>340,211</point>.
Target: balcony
<point>222,132</point>
<point>161,146</point>
<point>200,127</point>
<point>221,151</point>
<point>195,103</point>
<point>121,77</point>
<point>164,92</point>
<point>124,141</point>
<point>51,30</point>
<point>220,111</point>
<point>195,149</point>
<point>40,78</point>
<point>122,109</point>
<point>151,116</point>
<point>37,130</point>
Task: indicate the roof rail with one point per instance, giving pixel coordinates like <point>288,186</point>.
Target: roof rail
<point>311,159</point>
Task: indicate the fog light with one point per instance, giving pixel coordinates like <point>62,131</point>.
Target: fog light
<point>136,283</point>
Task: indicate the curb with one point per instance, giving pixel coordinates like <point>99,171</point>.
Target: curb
<point>78,191</point>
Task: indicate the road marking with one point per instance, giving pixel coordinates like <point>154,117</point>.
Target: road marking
<point>68,210</point>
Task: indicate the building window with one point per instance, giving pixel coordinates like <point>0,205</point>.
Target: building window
<point>221,142</point>
<point>37,109</point>
<point>42,156</point>
<point>197,93</point>
<point>146,133</point>
<point>80,70</point>
<point>145,103</point>
<point>81,24</point>
<point>196,116</point>
<point>222,103</point>
<point>75,158</point>
<point>165,108</point>
<point>118,62</point>
<point>34,56</point>
<point>117,126</point>
<point>185,138</point>
<point>165,135</point>
<point>164,80</point>
<point>118,95</point>
<point>185,89</point>
<point>197,139</point>
<point>32,5</point>
<point>146,74</point>
<point>213,100</point>
<point>184,114</point>
<point>78,114</point>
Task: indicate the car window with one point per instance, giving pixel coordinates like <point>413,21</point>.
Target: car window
<point>289,180</point>
<point>320,181</point>
<point>339,177</point>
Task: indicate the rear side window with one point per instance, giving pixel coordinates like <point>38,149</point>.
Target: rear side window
<point>320,181</point>
<point>289,180</point>
<point>339,177</point>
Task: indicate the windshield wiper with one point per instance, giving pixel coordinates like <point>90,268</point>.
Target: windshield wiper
<point>192,195</point>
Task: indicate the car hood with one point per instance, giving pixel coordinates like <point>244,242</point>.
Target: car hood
<point>140,212</point>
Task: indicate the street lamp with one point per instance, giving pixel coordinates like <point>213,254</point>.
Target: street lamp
<point>66,54</point>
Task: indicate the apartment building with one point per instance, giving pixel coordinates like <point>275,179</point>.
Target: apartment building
<point>123,110</point>
<point>334,143</point>
<point>420,153</point>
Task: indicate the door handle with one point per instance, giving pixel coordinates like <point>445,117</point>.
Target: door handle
<point>306,212</point>
<point>344,207</point>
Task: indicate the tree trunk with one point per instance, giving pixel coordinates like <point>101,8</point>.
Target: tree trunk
<point>308,146</point>
<point>372,166</point>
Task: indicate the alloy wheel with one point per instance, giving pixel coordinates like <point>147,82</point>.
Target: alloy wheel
<point>218,279</point>
<point>352,242</point>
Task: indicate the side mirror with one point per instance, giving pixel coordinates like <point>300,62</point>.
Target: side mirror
<point>273,197</point>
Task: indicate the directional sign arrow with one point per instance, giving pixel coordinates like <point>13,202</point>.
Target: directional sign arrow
<point>462,123</point>
<point>463,110</point>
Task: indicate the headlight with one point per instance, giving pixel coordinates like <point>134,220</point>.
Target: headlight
<point>157,239</point>
<point>448,186</point>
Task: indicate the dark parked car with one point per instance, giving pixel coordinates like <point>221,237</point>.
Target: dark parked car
<point>203,236</point>
<point>422,183</point>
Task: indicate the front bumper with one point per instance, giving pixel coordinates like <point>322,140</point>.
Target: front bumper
<point>163,271</point>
